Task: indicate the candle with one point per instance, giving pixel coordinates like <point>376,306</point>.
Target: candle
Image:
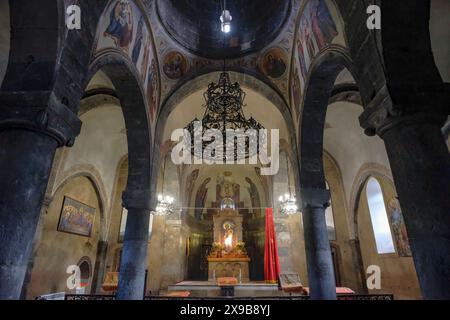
<point>240,275</point>
<point>214,274</point>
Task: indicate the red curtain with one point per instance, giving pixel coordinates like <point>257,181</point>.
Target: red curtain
<point>271,261</point>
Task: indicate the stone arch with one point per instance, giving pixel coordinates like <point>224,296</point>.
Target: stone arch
<point>30,68</point>
<point>125,79</point>
<point>79,45</point>
<point>323,74</point>
<point>336,187</point>
<point>365,172</point>
<point>365,235</point>
<point>92,174</point>
<point>406,43</point>
<point>347,248</point>
<point>246,78</point>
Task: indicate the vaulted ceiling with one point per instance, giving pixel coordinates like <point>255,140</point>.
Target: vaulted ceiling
<point>195,25</point>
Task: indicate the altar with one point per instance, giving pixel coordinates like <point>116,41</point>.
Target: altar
<point>228,257</point>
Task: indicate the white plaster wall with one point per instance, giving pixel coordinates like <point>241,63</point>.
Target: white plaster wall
<point>5,32</point>
<point>348,144</point>
<point>100,81</point>
<point>440,36</point>
<point>101,143</point>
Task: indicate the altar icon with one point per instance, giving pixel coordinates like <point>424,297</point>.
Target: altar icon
<point>228,257</point>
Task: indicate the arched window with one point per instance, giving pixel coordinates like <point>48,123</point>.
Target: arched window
<point>85,274</point>
<point>379,218</point>
<point>329,217</point>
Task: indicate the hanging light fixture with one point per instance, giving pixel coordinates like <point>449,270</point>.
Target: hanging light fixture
<point>165,205</point>
<point>288,202</point>
<point>225,19</point>
<point>224,112</point>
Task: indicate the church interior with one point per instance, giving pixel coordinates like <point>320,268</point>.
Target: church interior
<point>351,113</point>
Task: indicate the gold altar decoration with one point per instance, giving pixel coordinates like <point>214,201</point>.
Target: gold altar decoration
<point>219,252</point>
<point>227,281</point>
<point>228,257</point>
<point>111,282</point>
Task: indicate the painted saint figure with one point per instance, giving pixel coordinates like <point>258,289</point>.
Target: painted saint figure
<point>322,24</point>
<point>138,43</point>
<point>275,66</point>
<point>200,199</point>
<point>399,228</point>
<point>174,65</point>
<point>152,90</point>
<point>120,28</point>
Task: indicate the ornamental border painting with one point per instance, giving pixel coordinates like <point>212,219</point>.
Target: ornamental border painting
<point>76,218</point>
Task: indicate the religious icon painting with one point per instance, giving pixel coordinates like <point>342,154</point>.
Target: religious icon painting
<point>175,65</point>
<point>76,218</point>
<point>152,90</point>
<point>120,27</point>
<point>274,63</point>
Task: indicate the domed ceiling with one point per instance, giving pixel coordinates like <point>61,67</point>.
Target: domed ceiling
<point>195,25</point>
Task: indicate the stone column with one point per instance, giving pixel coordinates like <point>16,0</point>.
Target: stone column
<point>29,137</point>
<point>318,252</point>
<point>420,164</point>
<point>134,253</point>
<point>99,268</point>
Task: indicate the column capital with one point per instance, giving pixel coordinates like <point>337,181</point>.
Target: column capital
<point>315,198</point>
<point>41,112</point>
<point>424,104</point>
<point>137,199</point>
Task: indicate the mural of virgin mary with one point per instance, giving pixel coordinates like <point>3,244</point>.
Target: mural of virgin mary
<point>120,28</point>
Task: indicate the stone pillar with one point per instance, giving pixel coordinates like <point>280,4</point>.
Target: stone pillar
<point>420,164</point>
<point>134,253</point>
<point>99,268</point>
<point>29,137</point>
<point>35,245</point>
<point>318,252</point>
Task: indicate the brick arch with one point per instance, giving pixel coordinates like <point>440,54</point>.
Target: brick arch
<point>126,81</point>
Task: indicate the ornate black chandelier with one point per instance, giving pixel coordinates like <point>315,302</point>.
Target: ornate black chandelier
<point>224,112</point>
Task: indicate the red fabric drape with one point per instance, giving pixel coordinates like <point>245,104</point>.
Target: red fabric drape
<point>271,261</point>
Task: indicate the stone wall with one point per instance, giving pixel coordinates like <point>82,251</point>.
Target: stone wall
<point>398,274</point>
<point>57,250</point>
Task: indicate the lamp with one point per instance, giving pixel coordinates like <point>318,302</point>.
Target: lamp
<point>288,202</point>
<point>165,205</point>
<point>225,19</point>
